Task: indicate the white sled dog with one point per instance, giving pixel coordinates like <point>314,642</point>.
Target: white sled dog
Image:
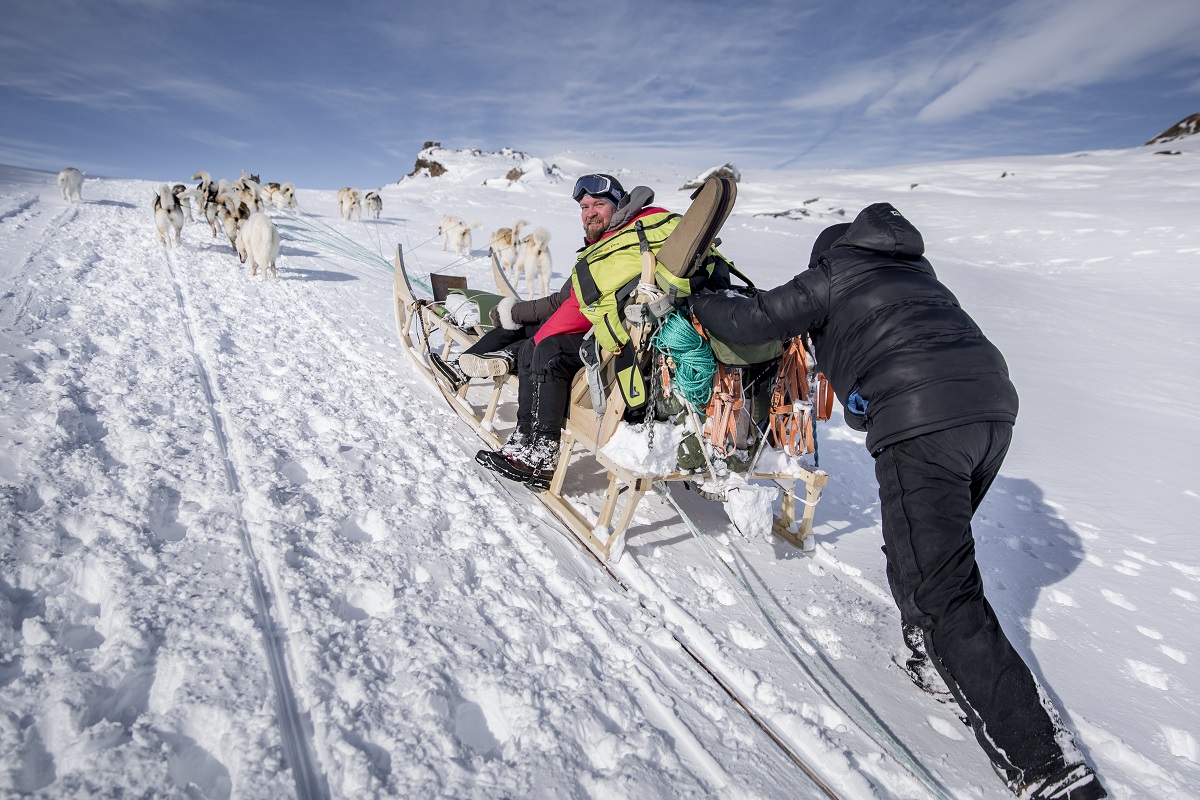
<point>258,243</point>
<point>70,181</point>
<point>168,216</point>
<point>504,243</point>
<point>349,202</point>
<point>533,257</point>
<point>374,204</point>
<point>457,234</point>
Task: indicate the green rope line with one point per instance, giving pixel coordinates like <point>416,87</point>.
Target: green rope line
<point>695,364</point>
<point>309,228</point>
<point>828,683</point>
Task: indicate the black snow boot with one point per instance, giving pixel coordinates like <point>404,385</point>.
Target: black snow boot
<point>533,465</point>
<point>1076,782</point>
<point>448,371</point>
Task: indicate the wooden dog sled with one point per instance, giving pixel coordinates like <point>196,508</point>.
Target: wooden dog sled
<point>426,326</point>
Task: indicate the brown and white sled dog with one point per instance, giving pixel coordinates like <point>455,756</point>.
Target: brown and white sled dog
<point>70,181</point>
<point>504,243</point>
<point>457,234</point>
<point>349,202</point>
<point>168,216</point>
<point>374,204</point>
<point>258,243</point>
<point>533,258</point>
<point>232,214</point>
<point>280,195</point>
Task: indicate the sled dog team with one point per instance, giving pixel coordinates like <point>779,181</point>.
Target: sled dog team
<point>238,207</point>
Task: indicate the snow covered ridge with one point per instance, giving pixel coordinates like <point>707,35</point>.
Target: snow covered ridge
<point>443,637</point>
<point>1188,126</point>
<point>479,166</point>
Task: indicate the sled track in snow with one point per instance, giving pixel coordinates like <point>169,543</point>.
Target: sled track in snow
<point>765,726</point>
<point>297,744</point>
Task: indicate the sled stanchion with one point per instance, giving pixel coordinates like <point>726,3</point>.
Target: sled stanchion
<point>566,446</point>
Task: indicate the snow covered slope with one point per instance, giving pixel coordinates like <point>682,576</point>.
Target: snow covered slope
<point>246,552</point>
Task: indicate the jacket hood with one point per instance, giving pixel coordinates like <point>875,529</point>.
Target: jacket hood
<point>880,227</point>
<point>631,206</point>
<point>826,240</point>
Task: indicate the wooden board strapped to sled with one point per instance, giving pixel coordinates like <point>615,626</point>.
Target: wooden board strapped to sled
<point>488,406</point>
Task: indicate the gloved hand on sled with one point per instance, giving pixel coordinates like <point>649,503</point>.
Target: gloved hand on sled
<point>640,313</point>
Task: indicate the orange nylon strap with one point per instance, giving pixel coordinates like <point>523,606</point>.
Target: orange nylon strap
<point>791,411</point>
<point>724,408</point>
<point>664,375</point>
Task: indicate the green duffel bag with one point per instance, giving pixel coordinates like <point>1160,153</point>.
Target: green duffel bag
<point>482,302</point>
<point>743,355</point>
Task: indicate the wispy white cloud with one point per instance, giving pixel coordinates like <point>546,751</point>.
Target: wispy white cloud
<point>1044,48</point>
<point>768,82</point>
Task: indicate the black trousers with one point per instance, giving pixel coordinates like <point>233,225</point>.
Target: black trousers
<point>545,371</point>
<point>929,489</point>
<point>501,339</point>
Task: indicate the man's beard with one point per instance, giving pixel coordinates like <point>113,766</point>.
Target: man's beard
<point>593,228</point>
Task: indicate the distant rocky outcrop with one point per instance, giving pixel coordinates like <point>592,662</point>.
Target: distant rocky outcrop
<point>1185,127</point>
<point>427,166</point>
<point>723,171</point>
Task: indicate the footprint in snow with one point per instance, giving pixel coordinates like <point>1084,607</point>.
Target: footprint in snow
<point>1062,598</point>
<point>745,639</point>
<point>1148,674</point>
<point>1118,600</point>
<point>1181,744</point>
<point>946,728</point>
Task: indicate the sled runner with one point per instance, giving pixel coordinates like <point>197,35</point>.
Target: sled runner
<point>765,430</point>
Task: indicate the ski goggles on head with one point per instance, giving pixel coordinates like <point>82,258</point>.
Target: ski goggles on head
<point>598,185</point>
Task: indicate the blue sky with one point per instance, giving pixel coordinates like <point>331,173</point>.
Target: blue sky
<point>328,94</point>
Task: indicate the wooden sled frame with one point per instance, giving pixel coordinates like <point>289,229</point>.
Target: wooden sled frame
<point>584,432</point>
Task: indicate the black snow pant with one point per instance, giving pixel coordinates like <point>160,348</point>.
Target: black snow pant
<point>545,371</point>
<point>498,339</point>
<point>929,489</point>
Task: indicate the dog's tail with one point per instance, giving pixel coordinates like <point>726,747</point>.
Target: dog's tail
<point>474,224</point>
<point>516,229</point>
<point>166,198</point>
<point>541,237</point>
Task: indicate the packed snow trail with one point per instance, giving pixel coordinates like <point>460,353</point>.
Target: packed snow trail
<point>446,638</point>
<point>310,783</point>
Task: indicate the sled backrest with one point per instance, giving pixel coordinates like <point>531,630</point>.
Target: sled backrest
<point>442,284</point>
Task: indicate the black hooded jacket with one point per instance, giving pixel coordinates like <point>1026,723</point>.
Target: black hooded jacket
<point>883,328</point>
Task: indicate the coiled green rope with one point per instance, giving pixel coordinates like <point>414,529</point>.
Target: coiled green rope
<point>695,364</point>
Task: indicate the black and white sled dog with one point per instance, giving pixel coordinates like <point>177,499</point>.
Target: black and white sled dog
<point>258,243</point>
<point>186,195</point>
<point>373,203</point>
<point>533,258</point>
<point>168,216</point>
<point>206,192</point>
<point>349,202</point>
<point>70,181</point>
<point>457,234</point>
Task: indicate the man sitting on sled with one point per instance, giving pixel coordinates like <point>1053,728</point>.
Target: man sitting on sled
<point>547,362</point>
